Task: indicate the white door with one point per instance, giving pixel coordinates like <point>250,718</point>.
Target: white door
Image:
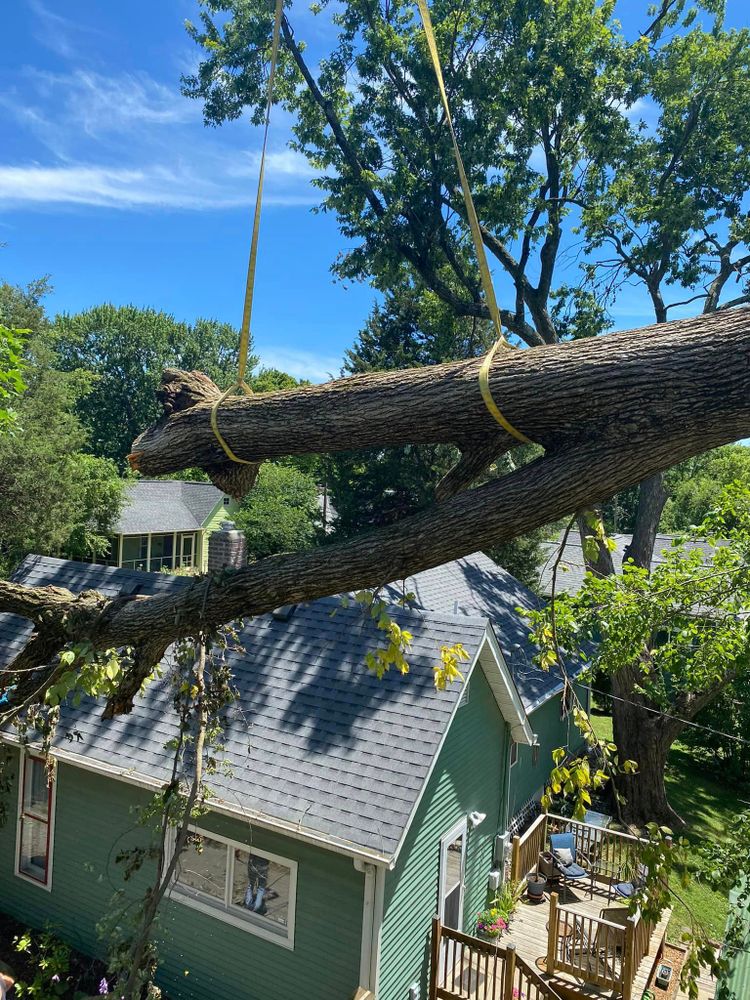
<point>452,876</point>
<point>187,543</point>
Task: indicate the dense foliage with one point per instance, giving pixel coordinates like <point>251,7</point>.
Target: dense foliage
<point>57,499</point>
<point>681,630</point>
<point>126,349</point>
<point>281,513</point>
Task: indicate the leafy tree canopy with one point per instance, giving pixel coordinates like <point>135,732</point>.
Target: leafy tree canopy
<point>126,348</point>
<point>56,499</point>
<point>694,489</point>
<point>680,631</point>
<point>281,512</point>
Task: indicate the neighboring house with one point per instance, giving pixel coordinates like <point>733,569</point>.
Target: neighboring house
<point>165,524</point>
<point>572,566</point>
<point>360,807</point>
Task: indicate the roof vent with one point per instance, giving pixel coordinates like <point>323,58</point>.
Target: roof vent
<point>283,613</point>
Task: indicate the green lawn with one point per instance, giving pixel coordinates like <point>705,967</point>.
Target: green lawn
<point>706,807</point>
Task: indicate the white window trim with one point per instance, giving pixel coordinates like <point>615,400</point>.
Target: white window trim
<point>460,829</point>
<point>513,754</point>
<point>47,886</point>
<point>250,923</point>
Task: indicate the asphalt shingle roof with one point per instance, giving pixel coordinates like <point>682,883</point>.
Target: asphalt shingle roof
<point>476,585</point>
<point>156,505</point>
<point>314,739</point>
<point>572,569</point>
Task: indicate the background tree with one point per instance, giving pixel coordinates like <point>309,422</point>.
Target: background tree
<point>57,500</point>
<point>693,488</point>
<point>126,349</point>
<point>683,624</point>
<point>281,512</point>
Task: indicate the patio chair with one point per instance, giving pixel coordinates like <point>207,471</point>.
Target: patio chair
<point>626,890</point>
<point>566,858</point>
<point>591,958</point>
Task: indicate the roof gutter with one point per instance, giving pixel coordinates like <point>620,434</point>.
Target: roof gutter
<point>289,829</point>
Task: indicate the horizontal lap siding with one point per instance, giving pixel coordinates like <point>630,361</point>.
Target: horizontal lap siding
<point>468,776</point>
<point>222,512</point>
<point>527,778</point>
<point>199,955</point>
<point>226,963</point>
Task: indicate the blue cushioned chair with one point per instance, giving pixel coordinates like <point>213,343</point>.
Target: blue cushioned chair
<point>573,871</point>
<point>626,890</point>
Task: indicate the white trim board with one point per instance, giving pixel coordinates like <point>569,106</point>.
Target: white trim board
<point>288,829</point>
<point>46,886</point>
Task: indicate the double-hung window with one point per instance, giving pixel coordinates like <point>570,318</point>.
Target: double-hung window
<point>36,818</point>
<point>244,886</point>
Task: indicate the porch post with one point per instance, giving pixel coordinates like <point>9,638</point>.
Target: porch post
<point>544,840</point>
<point>552,934</point>
<point>628,972</point>
<point>435,956</point>
<point>510,970</point>
<point>515,861</point>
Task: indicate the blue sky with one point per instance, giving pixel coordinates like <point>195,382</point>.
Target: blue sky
<point>110,183</point>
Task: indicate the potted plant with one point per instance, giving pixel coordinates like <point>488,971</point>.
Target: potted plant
<point>536,886</point>
<point>492,922</point>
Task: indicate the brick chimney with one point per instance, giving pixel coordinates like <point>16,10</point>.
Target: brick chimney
<point>226,548</point>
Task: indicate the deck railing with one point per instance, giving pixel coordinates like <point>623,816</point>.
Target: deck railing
<point>463,967</point>
<point>526,848</point>
<point>603,952</point>
<point>614,854</point>
<point>637,944</point>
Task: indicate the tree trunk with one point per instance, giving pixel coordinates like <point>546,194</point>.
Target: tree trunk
<point>645,738</point>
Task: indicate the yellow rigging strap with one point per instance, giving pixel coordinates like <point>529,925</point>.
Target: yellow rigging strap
<point>476,233</point>
<point>247,311</point>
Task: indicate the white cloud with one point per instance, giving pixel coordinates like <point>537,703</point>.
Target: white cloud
<point>59,34</point>
<point>128,188</point>
<point>282,163</point>
<point>300,364</point>
<point>130,141</point>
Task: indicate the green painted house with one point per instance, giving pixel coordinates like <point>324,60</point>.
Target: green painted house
<point>351,810</point>
<point>166,524</point>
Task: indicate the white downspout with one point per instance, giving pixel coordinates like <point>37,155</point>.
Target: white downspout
<point>372,921</point>
<point>368,911</point>
<point>377,926</point>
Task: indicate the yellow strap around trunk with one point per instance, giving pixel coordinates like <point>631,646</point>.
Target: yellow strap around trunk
<point>240,383</point>
<point>484,270</point>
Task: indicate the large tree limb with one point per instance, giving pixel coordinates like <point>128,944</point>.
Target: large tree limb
<point>622,388</point>
<point>611,411</point>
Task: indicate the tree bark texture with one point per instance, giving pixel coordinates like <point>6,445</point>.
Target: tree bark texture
<point>619,388</point>
<point>611,412</point>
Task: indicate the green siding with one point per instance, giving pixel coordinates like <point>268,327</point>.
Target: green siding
<point>221,512</point>
<point>468,776</point>
<point>200,956</point>
<point>527,778</point>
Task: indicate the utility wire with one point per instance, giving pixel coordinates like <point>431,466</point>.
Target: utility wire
<point>666,715</point>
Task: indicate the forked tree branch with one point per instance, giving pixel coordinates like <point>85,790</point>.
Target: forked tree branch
<point>611,412</point>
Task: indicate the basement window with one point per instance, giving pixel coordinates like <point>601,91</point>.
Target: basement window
<point>36,816</point>
<point>252,889</point>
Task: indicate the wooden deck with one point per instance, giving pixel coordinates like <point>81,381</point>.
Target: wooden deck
<point>528,932</point>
